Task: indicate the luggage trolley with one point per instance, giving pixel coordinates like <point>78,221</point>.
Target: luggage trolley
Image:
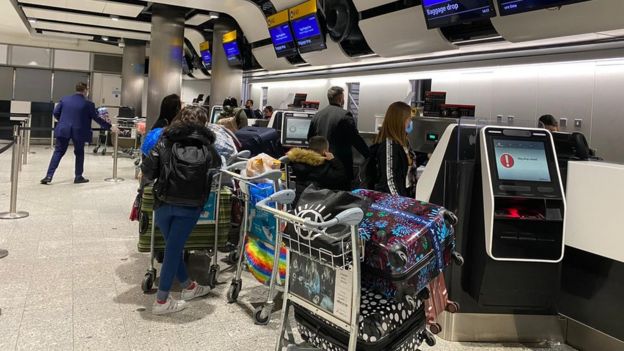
<point>344,266</point>
<point>262,314</point>
<point>150,275</point>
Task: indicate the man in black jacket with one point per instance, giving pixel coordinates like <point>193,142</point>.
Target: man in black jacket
<point>338,126</point>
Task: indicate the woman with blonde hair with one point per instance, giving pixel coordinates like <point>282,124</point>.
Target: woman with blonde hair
<point>387,169</point>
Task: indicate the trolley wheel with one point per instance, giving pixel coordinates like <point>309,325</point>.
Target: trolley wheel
<point>137,162</point>
<point>458,258</point>
<point>159,256</point>
<point>435,328</point>
<point>429,338</point>
<point>235,288</point>
<point>212,275</point>
<point>452,307</point>
<point>95,150</point>
<point>104,151</point>
<point>410,302</point>
<point>148,281</point>
<point>424,294</point>
<point>232,257</point>
<point>262,315</point>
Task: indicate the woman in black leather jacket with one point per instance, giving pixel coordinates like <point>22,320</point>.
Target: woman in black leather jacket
<point>390,161</point>
<point>180,166</point>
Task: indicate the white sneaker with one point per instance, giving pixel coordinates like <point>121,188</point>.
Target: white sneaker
<point>171,306</point>
<point>198,291</point>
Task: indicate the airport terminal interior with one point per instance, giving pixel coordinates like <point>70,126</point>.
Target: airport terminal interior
<point>335,175</point>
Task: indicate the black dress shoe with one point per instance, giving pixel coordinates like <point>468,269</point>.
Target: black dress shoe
<point>46,180</point>
<point>81,180</point>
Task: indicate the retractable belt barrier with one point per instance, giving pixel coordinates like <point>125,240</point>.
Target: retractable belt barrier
<point>15,165</point>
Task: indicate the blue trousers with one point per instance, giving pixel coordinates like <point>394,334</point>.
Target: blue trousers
<point>176,224</point>
<point>59,151</point>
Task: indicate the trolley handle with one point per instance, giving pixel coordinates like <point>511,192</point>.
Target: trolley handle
<point>349,217</point>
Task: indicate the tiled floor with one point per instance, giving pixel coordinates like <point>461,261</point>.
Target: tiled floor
<point>72,277</point>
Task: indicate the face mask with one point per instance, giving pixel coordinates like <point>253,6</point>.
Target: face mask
<point>410,127</point>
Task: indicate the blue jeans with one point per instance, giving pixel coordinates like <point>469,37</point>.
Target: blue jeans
<point>176,224</point>
<point>59,151</point>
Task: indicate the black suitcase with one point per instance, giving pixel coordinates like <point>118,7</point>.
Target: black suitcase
<point>385,324</point>
<point>260,140</point>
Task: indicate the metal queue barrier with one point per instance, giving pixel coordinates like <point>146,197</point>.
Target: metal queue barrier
<point>114,178</point>
<point>13,213</point>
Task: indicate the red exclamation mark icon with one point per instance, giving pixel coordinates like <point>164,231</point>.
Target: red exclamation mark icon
<point>507,160</point>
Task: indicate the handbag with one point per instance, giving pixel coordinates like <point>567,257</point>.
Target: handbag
<point>321,205</point>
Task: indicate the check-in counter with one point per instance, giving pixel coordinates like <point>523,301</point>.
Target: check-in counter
<point>592,285</point>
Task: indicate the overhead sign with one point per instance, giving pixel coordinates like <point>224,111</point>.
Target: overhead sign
<point>278,18</point>
<point>205,46</point>
<point>307,8</point>
<point>229,37</point>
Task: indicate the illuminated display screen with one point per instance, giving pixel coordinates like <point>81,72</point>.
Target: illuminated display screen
<point>308,34</point>
<point>442,13</point>
<point>207,58</point>
<point>282,39</point>
<point>510,7</point>
<point>521,160</point>
<point>232,53</point>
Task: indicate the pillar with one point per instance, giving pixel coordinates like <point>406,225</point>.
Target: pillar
<point>225,80</point>
<point>132,75</point>
<point>166,55</point>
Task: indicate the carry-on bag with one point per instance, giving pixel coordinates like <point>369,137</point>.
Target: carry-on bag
<point>385,324</point>
<point>259,140</point>
<point>437,303</point>
<point>408,243</point>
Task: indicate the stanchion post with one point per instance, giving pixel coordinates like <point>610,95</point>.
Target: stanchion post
<point>114,179</point>
<point>15,164</point>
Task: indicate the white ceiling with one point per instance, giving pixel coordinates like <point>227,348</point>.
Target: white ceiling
<point>97,6</point>
<point>92,20</point>
<point>90,30</point>
<point>198,19</point>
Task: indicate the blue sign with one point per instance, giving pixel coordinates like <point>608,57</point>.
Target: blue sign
<point>206,57</point>
<point>231,50</point>
<point>510,7</point>
<point>306,27</point>
<point>442,13</point>
<point>281,34</point>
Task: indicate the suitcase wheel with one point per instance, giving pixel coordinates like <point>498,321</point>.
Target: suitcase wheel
<point>435,328</point>
<point>372,327</point>
<point>148,281</point>
<point>409,301</point>
<point>397,256</point>
<point>452,307</point>
<point>424,294</point>
<point>429,338</point>
<point>458,258</point>
<point>213,276</point>
<point>234,290</point>
<point>450,217</point>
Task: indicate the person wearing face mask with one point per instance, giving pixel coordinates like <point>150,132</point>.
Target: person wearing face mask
<point>388,167</point>
<point>74,114</point>
<point>339,128</point>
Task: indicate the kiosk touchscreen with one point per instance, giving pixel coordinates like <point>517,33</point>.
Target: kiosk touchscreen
<point>295,129</point>
<point>523,199</point>
<point>215,113</point>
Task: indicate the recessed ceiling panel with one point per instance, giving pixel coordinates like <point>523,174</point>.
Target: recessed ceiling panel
<point>90,30</point>
<point>102,21</point>
<point>98,6</point>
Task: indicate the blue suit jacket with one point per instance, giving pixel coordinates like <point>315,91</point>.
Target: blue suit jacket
<point>74,113</point>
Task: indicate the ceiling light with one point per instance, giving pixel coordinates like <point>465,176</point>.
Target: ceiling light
<point>115,18</point>
<point>105,38</point>
<point>32,20</point>
<point>213,15</point>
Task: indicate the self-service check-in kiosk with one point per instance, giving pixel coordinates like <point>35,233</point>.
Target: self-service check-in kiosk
<point>294,128</point>
<point>504,184</point>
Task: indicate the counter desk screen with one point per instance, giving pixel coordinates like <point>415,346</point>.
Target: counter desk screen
<point>207,58</point>
<point>510,7</point>
<point>521,160</point>
<point>232,53</point>
<point>443,13</point>
<point>282,39</point>
<point>308,34</point>
<point>295,130</point>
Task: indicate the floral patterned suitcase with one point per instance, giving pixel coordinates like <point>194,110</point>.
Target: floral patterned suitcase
<point>408,244</point>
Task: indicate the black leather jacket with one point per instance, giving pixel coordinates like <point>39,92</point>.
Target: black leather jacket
<point>154,165</point>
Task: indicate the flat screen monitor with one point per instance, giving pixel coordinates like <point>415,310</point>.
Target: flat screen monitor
<point>232,53</point>
<point>206,58</point>
<point>521,160</point>
<point>283,41</point>
<point>427,132</point>
<point>510,7</point>
<point>295,130</point>
<point>443,13</point>
<point>215,113</point>
<point>308,33</point>
<point>299,99</point>
<point>433,103</point>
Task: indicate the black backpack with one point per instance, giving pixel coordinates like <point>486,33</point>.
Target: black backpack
<point>368,171</point>
<point>187,175</point>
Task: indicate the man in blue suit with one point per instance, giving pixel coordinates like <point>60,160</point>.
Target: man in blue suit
<point>74,114</point>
